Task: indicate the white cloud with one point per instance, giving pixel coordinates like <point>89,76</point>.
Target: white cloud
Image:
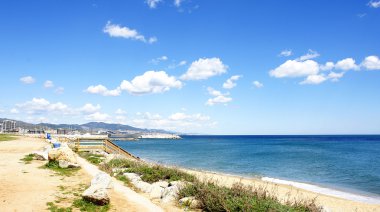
<point>177,3</point>
<point>48,84</point>
<point>14,111</point>
<point>218,97</point>
<point>41,105</point>
<point>205,68</point>
<point>371,63</point>
<point>335,76</point>
<point>295,68</point>
<point>152,3</point>
<point>115,30</point>
<point>159,59</point>
<point>97,116</point>
<point>314,79</point>
<point>374,4</point>
<point>60,90</point>
<point>181,63</point>
<point>309,55</point>
<point>346,64</point>
<point>120,111</point>
<point>151,82</point>
<point>102,90</point>
<point>89,108</point>
<point>258,84</point>
<point>27,80</point>
<point>231,82</point>
<point>285,53</point>
<point>327,66</point>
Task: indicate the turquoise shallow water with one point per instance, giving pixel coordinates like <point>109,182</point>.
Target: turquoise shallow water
<point>348,163</point>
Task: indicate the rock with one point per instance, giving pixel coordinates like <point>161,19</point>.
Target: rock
<point>63,164</point>
<point>102,180</point>
<point>62,153</point>
<point>97,195</point>
<point>40,155</point>
<point>191,202</point>
<point>132,177</point>
<point>44,154</point>
<point>169,194</point>
<point>143,186</point>
<point>179,184</point>
<point>162,184</point>
<point>156,192</point>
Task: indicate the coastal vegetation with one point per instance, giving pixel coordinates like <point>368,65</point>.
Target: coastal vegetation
<point>210,195</point>
<point>91,157</point>
<point>149,173</point>
<point>7,137</point>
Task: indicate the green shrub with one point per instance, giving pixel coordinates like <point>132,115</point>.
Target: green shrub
<point>92,158</point>
<point>84,205</point>
<point>28,158</point>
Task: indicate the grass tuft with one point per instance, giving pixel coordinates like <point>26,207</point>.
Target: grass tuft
<point>92,158</point>
<point>54,165</point>
<point>28,158</point>
<point>54,208</point>
<point>84,205</point>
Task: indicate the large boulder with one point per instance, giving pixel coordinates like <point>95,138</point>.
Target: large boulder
<point>132,177</point>
<point>156,192</point>
<point>162,184</point>
<point>102,180</point>
<point>143,186</point>
<point>97,195</point>
<point>62,153</point>
<point>169,194</point>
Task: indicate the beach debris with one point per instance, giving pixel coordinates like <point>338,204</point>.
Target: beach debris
<point>102,180</point>
<point>96,194</point>
<point>190,202</point>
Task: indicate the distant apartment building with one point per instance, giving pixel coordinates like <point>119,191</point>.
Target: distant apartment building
<point>8,126</point>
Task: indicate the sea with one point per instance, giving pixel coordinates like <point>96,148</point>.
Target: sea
<point>346,166</point>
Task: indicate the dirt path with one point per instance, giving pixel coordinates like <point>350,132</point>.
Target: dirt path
<point>27,187</point>
<point>24,187</point>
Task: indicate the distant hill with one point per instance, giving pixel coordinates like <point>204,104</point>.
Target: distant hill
<point>91,126</point>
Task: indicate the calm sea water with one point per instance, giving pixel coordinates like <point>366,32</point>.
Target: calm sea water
<point>348,163</point>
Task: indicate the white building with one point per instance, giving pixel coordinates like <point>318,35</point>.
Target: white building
<point>8,126</point>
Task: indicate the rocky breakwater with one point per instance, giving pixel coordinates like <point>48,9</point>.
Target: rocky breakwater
<point>164,191</point>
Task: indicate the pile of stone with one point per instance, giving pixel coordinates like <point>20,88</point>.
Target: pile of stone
<point>64,155</point>
<point>162,190</point>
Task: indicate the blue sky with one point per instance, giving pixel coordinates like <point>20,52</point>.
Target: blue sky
<point>218,67</point>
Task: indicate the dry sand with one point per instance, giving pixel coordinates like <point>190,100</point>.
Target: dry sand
<point>26,187</point>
